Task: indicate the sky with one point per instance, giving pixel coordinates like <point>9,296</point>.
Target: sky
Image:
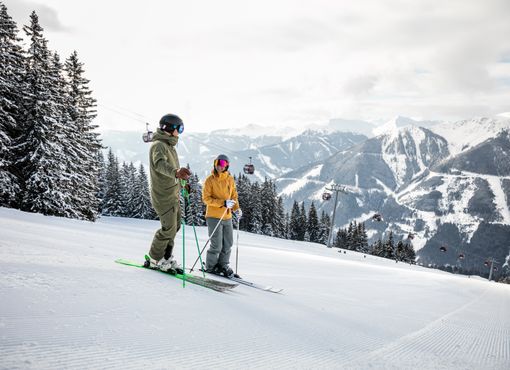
<point>226,64</point>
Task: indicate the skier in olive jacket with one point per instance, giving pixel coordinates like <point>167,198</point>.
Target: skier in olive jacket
<point>220,195</point>
<point>165,173</point>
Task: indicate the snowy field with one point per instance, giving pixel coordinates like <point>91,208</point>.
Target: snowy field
<point>66,305</point>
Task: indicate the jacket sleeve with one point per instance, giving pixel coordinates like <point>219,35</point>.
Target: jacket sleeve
<point>160,163</point>
<point>207,195</point>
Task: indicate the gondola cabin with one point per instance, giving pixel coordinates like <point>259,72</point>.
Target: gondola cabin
<point>249,168</point>
<point>461,256</point>
<point>377,217</point>
<point>147,136</point>
<point>443,249</point>
<point>326,196</point>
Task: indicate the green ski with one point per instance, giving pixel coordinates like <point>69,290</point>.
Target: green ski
<point>198,280</point>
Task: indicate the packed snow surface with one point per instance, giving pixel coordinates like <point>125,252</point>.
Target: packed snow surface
<point>66,304</point>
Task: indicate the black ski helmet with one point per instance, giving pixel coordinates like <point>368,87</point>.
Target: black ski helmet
<point>171,122</point>
<point>225,158</point>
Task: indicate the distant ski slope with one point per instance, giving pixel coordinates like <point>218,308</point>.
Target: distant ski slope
<point>66,304</point>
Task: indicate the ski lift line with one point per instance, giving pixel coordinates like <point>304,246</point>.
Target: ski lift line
<point>122,114</point>
<point>467,254</point>
<point>118,107</point>
<point>212,145</point>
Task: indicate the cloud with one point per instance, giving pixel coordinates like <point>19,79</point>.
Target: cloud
<point>48,17</point>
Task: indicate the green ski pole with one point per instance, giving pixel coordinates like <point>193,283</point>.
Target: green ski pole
<point>183,238</point>
<point>186,194</point>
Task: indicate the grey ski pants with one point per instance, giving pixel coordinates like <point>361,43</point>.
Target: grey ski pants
<point>163,242</point>
<point>221,242</point>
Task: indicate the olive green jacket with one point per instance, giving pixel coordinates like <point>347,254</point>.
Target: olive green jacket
<point>164,163</point>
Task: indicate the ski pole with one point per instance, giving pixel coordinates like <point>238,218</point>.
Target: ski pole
<point>208,240</point>
<point>183,191</point>
<point>237,242</point>
<point>186,196</point>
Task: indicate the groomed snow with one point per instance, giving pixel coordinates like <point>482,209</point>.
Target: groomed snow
<point>66,304</point>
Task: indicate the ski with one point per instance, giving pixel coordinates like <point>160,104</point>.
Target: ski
<point>213,284</point>
<point>239,280</point>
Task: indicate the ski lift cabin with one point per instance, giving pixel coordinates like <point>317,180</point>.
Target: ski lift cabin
<point>442,249</point>
<point>249,168</point>
<point>326,196</point>
<point>377,217</point>
<point>147,136</point>
<point>461,256</point>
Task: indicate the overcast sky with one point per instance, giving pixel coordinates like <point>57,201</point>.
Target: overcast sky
<point>221,64</point>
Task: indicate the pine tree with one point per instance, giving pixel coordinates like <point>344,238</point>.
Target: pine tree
<point>101,181</point>
<point>302,222</point>
<point>389,247</point>
<point>12,71</point>
<point>39,147</point>
<point>128,181</point>
<point>195,213</point>
<point>313,224</point>
<point>341,239</point>
<point>295,219</point>
<point>86,143</point>
<point>142,207</point>
<point>267,205</point>
<point>256,220</point>
<point>112,202</point>
<point>243,187</point>
<point>324,228</point>
<point>279,221</point>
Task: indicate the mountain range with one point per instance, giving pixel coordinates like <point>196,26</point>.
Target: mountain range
<point>436,184</point>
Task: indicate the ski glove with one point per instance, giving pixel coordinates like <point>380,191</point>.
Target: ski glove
<point>238,213</point>
<point>183,173</point>
<point>229,203</point>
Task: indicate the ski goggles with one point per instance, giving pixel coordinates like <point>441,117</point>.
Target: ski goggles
<point>221,163</point>
<point>171,128</point>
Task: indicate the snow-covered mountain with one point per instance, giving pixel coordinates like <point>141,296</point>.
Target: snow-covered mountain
<point>409,176</point>
<point>67,305</point>
<point>465,134</point>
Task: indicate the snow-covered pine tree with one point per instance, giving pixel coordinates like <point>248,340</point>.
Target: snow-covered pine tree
<point>324,225</point>
<point>363,238</point>
<point>302,222</point>
<point>243,187</point>
<point>341,239</point>
<point>128,182</point>
<point>279,220</point>
<point>294,222</point>
<point>256,220</point>
<point>287,226</point>
<point>86,142</point>
<point>112,202</point>
<point>39,146</point>
<point>101,181</point>
<point>389,247</point>
<point>268,207</point>
<point>409,255</point>
<point>377,248</point>
<point>12,70</point>
<point>313,224</point>
<point>142,207</point>
<point>196,209</point>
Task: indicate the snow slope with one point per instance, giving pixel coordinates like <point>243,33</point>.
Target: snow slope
<point>66,304</point>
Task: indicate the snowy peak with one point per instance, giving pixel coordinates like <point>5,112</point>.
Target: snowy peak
<point>466,134</point>
<point>399,122</point>
<point>411,150</point>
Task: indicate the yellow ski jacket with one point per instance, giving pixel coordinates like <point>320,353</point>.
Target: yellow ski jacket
<point>218,187</point>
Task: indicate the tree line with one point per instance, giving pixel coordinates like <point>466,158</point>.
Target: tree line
<point>49,152</point>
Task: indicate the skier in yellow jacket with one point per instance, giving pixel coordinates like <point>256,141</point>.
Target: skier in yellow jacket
<point>220,196</point>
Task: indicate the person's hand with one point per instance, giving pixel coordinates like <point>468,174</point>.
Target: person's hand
<point>229,203</point>
<point>183,173</point>
<point>238,213</point>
